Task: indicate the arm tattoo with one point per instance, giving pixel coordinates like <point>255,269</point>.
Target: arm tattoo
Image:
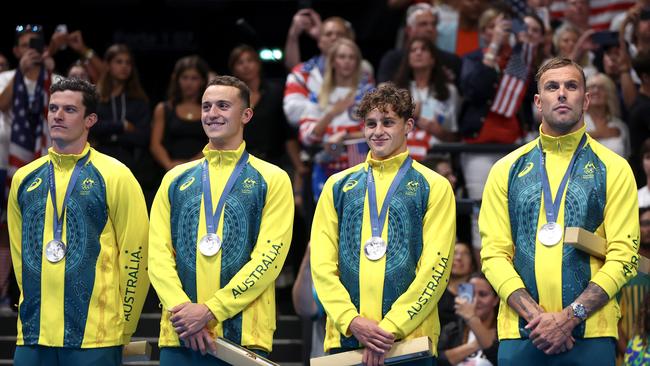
<point>593,298</point>
<point>521,302</point>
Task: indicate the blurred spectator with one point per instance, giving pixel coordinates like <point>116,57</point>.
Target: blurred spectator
<point>443,166</point>
<point>638,348</point>
<point>4,63</point>
<point>462,36</point>
<point>124,117</point>
<point>421,20</point>
<point>462,267</point>
<point>644,192</point>
<point>569,42</point>
<point>330,118</point>
<point>632,295</point>
<point>304,21</point>
<point>639,111</point>
<point>437,101</point>
<point>78,70</point>
<point>625,21</point>
<point>577,14</point>
<point>24,94</point>
<point>267,134</point>
<point>307,305</point>
<point>176,130</point>
<point>497,105</point>
<point>61,40</point>
<point>541,8</point>
<point>630,46</point>
<point>603,115</point>
<point>307,77</point>
<point>269,137</point>
<point>472,340</point>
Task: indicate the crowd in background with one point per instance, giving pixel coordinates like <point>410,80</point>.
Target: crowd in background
<point>469,66</point>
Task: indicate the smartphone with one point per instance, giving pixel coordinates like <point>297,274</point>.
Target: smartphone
<point>37,44</point>
<point>61,28</point>
<point>466,290</point>
<point>605,38</point>
<point>518,26</point>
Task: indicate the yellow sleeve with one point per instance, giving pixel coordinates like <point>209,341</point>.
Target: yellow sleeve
<point>494,224</point>
<point>439,237</point>
<point>128,213</point>
<point>15,226</point>
<point>621,226</point>
<point>162,261</point>
<point>269,253</point>
<point>324,262</point>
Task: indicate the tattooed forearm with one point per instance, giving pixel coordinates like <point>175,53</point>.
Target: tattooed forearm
<point>593,298</point>
<point>521,302</point>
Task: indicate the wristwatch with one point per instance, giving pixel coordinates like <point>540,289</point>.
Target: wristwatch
<point>579,311</point>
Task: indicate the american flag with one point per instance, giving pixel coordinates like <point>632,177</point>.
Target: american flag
<point>357,150</point>
<point>513,83</point>
<point>29,138</point>
<point>601,12</point>
<point>520,7</point>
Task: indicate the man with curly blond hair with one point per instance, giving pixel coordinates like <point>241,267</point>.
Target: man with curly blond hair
<point>382,236</point>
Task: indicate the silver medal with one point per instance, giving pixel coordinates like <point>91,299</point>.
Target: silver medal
<point>550,234</point>
<point>55,251</point>
<point>210,245</point>
<point>375,248</point>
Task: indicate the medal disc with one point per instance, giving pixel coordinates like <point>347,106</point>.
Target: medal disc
<point>550,234</point>
<point>375,248</point>
<point>210,245</point>
<point>55,251</point>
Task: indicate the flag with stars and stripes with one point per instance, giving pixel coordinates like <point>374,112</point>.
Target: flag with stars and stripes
<point>512,86</point>
<point>601,12</point>
<point>519,7</point>
<point>29,138</point>
<point>357,150</point>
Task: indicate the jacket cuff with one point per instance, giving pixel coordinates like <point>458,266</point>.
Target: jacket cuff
<point>606,282</point>
<point>344,323</point>
<point>216,309</point>
<point>510,286</point>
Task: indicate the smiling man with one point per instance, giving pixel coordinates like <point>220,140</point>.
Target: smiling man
<point>557,304</point>
<point>381,239</point>
<point>221,230</point>
<point>78,229</point>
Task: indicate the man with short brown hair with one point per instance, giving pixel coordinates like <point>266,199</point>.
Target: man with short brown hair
<point>557,302</point>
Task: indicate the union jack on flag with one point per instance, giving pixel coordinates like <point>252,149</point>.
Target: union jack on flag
<point>512,86</point>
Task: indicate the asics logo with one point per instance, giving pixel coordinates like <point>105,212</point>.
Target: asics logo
<point>37,182</point>
<point>185,185</point>
<point>349,185</point>
<point>526,170</point>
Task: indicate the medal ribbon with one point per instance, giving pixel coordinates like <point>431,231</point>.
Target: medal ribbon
<point>58,220</point>
<point>377,220</point>
<point>212,218</point>
<point>552,207</point>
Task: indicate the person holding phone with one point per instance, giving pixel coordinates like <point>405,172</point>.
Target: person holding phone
<point>472,340</point>
<point>22,114</point>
